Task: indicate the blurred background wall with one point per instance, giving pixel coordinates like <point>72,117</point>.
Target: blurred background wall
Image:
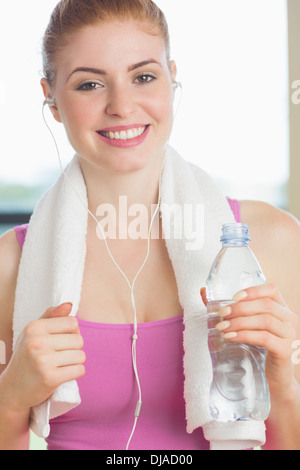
<point>294,106</point>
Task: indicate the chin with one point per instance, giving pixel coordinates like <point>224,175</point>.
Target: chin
<point>128,163</point>
<point>120,162</point>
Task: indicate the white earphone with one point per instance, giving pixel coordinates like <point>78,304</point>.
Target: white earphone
<point>49,101</point>
<point>177,85</point>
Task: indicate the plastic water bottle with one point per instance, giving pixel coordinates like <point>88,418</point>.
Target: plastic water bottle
<point>239,390</point>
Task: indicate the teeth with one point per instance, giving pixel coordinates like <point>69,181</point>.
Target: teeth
<point>124,135</point>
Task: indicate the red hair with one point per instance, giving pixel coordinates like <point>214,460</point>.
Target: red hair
<point>72,15</point>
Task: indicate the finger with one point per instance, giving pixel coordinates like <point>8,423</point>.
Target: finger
<point>62,342</point>
<point>264,322</point>
<point>61,325</point>
<point>280,348</point>
<point>257,307</point>
<point>62,310</point>
<point>69,358</point>
<point>203,295</point>
<point>259,292</point>
<point>68,373</point>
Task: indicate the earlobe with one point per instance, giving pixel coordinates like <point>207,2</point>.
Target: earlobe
<point>49,100</point>
<point>55,112</point>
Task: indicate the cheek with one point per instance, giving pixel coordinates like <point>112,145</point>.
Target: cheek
<point>160,108</point>
<point>77,118</point>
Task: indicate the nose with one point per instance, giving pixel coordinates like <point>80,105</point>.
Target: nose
<point>120,101</point>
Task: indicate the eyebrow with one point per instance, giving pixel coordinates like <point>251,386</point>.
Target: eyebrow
<point>142,64</point>
<point>131,68</point>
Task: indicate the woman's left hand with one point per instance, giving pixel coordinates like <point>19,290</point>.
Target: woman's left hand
<point>261,317</point>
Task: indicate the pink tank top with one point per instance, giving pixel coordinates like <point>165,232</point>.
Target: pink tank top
<point>104,419</point>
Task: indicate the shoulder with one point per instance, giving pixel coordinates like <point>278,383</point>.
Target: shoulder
<point>265,220</point>
<point>10,252</point>
<point>275,240</point>
<point>10,255</point>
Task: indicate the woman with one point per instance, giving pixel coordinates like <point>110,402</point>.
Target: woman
<point>108,69</point>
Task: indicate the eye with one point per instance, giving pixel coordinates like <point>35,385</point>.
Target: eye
<point>89,86</point>
<point>145,78</point>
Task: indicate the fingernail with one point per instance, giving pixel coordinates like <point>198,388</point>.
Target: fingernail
<point>224,312</point>
<point>223,325</point>
<point>230,335</point>
<point>240,296</point>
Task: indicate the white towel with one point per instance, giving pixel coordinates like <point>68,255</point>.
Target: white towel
<point>51,272</point>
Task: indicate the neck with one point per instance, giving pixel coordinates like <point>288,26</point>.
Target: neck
<point>125,194</point>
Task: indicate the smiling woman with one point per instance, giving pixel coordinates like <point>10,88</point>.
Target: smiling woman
<point>136,350</point>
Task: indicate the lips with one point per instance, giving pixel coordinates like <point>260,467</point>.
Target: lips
<point>124,136</point>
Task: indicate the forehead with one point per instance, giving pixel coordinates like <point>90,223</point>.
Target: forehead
<point>111,45</point>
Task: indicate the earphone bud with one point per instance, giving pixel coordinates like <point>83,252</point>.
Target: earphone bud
<point>177,85</point>
<point>49,101</point>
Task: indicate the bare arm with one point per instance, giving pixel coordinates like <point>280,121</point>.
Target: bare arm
<point>276,241</point>
<point>47,354</point>
<point>14,432</point>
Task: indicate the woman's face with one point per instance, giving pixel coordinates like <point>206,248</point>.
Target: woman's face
<point>114,95</point>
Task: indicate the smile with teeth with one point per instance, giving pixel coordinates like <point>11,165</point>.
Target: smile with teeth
<point>124,134</point>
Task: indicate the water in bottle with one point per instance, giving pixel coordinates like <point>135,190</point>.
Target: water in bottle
<point>239,390</point>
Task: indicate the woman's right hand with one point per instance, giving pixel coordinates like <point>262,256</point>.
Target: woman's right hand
<point>47,354</point>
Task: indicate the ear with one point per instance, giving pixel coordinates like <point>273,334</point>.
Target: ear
<point>173,70</point>
<point>48,94</point>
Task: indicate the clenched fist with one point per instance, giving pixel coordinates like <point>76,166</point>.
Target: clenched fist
<point>47,354</point>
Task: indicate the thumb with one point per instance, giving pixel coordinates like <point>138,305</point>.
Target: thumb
<point>203,295</point>
<point>62,310</point>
